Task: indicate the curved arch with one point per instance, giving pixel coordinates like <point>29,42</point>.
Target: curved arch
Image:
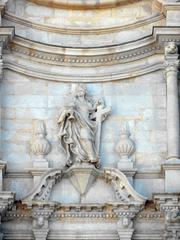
<point>84,5</point>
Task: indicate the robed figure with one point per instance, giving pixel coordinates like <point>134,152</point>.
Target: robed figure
<point>78,129</point>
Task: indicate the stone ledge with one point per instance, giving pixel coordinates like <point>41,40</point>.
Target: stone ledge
<point>73,31</point>
<point>83,5</point>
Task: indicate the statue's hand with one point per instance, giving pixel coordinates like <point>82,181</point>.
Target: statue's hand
<point>100,102</point>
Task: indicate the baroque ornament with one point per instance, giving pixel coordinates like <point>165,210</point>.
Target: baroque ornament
<point>80,128</point>
<point>171,48</point>
<point>40,145</point>
<point>125,147</point>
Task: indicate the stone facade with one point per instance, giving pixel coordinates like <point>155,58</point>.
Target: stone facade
<point>101,162</point>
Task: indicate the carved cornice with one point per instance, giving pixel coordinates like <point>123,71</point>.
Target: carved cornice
<point>6,201</point>
<point>171,6</point>
<point>169,204</point>
<point>73,31</point>
<point>63,211</point>
<point>38,60</point>
<point>89,211</point>
<point>6,35</point>
<point>148,215</point>
<point>82,74</point>
<point>138,175</point>
<point>84,5</point>
<point>167,201</point>
<point>83,57</point>
<point>115,54</point>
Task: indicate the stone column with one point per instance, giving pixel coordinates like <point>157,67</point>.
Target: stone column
<point>171,60</point>
<point>1,76</point>
<point>171,166</point>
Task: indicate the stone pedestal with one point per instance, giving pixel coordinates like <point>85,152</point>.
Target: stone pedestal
<point>37,173</point>
<point>171,170</point>
<point>125,148</point>
<point>82,177</point>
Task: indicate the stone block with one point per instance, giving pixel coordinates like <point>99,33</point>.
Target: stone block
<point>56,101</point>
<point>173,18</point>
<point>148,186</point>
<point>59,89</point>
<point>171,169</point>
<point>124,165</point>
<point>160,101</point>
<point>21,186</point>
<point>25,101</point>
<point>36,11</point>
<point>33,87</point>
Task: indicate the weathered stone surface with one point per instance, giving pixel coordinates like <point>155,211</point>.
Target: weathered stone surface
<point>125,54</point>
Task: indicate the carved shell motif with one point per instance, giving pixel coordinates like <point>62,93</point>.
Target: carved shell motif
<point>40,146</point>
<point>125,147</point>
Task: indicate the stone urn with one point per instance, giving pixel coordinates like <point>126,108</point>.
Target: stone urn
<point>125,146</point>
<point>40,146</point>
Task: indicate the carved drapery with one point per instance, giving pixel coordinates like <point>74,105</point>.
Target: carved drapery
<point>80,128</point>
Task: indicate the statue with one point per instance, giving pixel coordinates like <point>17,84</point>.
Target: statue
<point>80,126</point>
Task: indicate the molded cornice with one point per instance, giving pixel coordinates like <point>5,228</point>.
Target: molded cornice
<point>6,35</point>
<point>70,31</point>
<point>84,5</point>
<point>57,63</point>
<point>83,74</point>
<point>98,56</point>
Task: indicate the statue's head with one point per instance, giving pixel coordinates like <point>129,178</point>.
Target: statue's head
<point>81,90</point>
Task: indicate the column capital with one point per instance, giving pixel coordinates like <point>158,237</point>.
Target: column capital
<point>171,57</point>
<point>171,48</point>
<point>171,64</point>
